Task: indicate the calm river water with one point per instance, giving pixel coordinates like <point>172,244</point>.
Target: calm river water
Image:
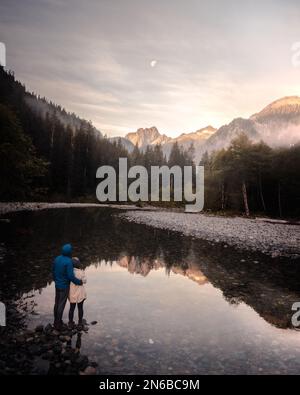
<point>164,303</point>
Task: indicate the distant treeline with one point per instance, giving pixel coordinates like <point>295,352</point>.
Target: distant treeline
<point>252,177</point>
<point>47,153</point>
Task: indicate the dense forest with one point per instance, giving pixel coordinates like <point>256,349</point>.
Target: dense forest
<point>70,148</point>
<point>252,177</point>
<point>49,154</point>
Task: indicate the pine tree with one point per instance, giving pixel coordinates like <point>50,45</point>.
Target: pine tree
<point>20,166</point>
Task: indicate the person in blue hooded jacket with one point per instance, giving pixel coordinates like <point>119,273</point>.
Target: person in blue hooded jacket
<point>63,274</point>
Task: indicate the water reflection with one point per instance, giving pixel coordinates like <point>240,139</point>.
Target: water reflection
<point>165,304</point>
<point>27,249</point>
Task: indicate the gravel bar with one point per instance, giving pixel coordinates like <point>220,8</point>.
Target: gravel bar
<point>10,207</point>
<point>275,239</point>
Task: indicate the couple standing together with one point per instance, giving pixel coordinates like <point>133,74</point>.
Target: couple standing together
<point>69,277</point>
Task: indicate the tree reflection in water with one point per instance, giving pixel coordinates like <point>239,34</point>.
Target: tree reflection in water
<point>268,285</point>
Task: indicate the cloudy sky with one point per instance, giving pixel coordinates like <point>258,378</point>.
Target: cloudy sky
<point>177,64</point>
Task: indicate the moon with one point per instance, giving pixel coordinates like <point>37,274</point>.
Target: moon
<point>153,63</point>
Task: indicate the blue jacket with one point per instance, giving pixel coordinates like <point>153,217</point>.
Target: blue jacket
<point>63,271</point>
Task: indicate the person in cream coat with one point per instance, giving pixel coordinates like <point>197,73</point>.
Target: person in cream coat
<point>77,294</point>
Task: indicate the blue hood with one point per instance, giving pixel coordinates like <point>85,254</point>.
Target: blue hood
<point>67,250</point>
<point>63,270</point>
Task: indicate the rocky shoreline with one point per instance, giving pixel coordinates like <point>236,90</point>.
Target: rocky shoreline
<point>277,239</point>
<point>41,351</point>
<point>11,207</point>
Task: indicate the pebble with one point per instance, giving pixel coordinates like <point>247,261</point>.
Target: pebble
<point>89,371</point>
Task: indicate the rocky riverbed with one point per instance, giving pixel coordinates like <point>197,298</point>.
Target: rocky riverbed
<point>11,207</point>
<point>272,238</point>
<point>43,350</point>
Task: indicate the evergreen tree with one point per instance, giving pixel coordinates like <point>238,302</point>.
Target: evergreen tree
<point>20,166</point>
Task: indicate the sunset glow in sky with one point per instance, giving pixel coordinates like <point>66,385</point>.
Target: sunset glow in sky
<point>178,65</point>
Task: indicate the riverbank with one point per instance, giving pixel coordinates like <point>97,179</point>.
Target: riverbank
<point>272,238</point>
<point>43,350</point>
<point>10,207</point>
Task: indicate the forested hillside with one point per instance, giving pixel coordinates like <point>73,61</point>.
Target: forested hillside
<point>71,149</point>
<point>48,153</point>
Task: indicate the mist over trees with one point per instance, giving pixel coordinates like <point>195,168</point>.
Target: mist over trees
<point>72,148</point>
<point>47,153</point>
<point>253,178</point>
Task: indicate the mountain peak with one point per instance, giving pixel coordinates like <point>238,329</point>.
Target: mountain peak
<point>148,131</point>
<point>286,101</point>
<point>199,135</point>
<point>145,131</point>
<point>147,136</point>
<point>208,130</point>
<point>286,106</point>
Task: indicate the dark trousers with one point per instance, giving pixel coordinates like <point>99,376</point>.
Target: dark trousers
<point>61,297</point>
<point>80,311</point>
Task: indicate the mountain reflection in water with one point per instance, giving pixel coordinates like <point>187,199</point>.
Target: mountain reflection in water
<point>193,299</point>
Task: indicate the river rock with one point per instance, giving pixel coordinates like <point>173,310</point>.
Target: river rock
<point>82,362</point>
<point>39,328</point>
<point>48,328</point>
<point>89,371</point>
